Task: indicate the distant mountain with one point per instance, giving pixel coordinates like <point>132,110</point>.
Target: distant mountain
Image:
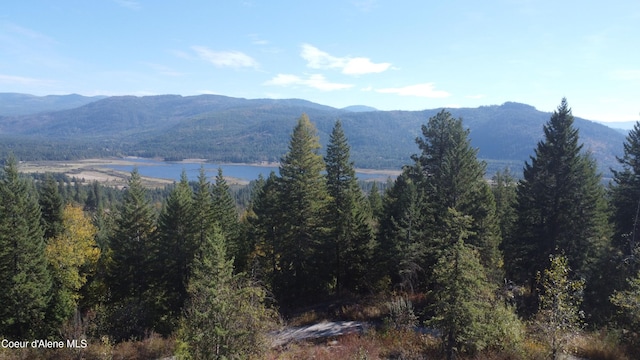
<point>619,125</point>
<point>359,108</point>
<point>23,104</point>
<point>248,130</point>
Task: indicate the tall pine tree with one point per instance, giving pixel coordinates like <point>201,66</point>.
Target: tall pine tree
<point>375,202</point>
<point>265,227</point>
<point>402,251</point>
<point>203,213</point>
<point>349,222</point>
<point>504,192</point>
<point>302,188</point>
<point>129,274</point>
<point>453,178</point>
<point>560,205</point>
<point>625,201</point>
<point>621,266</point>
<point>24,278</point>
<point>176,247</point>
<point>52,204</point>
<point>226,216</point>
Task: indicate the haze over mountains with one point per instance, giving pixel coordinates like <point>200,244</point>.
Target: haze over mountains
<point>229,129</point>
<point>25,104</point>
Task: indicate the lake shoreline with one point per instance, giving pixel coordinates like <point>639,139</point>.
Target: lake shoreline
<point>111,171</point>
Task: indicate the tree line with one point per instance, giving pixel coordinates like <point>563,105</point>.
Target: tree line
<point>555,249</point>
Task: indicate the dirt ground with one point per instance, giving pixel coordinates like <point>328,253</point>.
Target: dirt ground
<point>90,170</point>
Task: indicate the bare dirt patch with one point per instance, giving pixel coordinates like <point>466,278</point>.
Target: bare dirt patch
<point>90,170</point>
<point>321,330</point>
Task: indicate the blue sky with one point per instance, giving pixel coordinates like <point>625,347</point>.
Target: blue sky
<point>407,55</point>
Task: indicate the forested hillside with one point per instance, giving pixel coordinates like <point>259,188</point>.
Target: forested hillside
<point>228,129</point>
<point>443,264</point>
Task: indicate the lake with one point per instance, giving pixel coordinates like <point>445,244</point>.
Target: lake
<point>246,172</point>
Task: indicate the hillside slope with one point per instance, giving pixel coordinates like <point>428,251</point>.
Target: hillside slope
<point>12,104</point>
<point>247,130</point>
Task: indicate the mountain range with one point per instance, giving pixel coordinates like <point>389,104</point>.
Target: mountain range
<point>221,128</point>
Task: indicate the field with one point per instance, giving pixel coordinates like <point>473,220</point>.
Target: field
<point>91,170</point>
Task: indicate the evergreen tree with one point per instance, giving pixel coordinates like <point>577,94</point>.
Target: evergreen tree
<point>176,243</point>
<point>265,227</point>
<point>203,213</point>
<point>625,201</point>
<point>302,190</point>
<point>95,291</point>
<point>451,177</point>
<point>560,205</point>
<point>619,267</point>
<point>463,296</point>
<point>94,198</point>
<point>225,317</point>
<point>402,250</point>
<point>132,248</point>
<point>52,205</point>
<point>350,229</point>
<point>24,278</point>
<point>248,237</point>
<point>504,193</point>
<point>375,202</point>
<point>226,216</point>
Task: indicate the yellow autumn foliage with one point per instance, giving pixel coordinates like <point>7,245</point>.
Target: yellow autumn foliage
<point>74,253</point>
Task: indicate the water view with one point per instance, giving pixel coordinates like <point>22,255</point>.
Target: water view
<point>246,172</point>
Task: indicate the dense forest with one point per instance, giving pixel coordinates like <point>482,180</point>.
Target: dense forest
<point>464,267</point>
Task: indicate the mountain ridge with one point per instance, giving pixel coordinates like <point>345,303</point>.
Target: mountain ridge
<point>12,104</point>
<point>222,128</point>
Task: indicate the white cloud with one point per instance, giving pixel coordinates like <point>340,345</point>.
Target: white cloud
<point>209,92</point>
<point>235,59</point>
<point>315,81</point>
<point>359,66</point>
<point>284,80</point>
<point>318,59</point>
<point>420,90</point>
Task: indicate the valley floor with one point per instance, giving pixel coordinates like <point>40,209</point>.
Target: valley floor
<point>101,170</point>
<point>91,170</point>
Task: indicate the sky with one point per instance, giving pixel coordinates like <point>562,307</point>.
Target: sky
<point>391,55</point>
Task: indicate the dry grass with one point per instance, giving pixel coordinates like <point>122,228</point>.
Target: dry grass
<point>153,347</point>
<point>307,318</point>
<point>601,345</point>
